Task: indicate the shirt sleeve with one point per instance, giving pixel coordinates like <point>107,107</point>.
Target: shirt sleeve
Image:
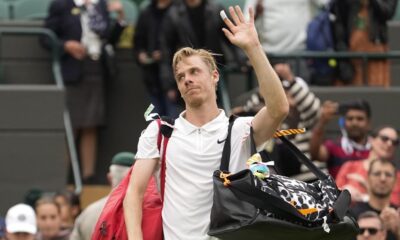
<point>147,146</point>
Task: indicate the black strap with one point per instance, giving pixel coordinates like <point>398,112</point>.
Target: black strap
<point>226,152</point>
<point>304,159</point>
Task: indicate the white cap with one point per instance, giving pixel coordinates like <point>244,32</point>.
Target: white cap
<point>21,218</point>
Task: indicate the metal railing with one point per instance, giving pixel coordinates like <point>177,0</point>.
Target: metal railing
<point>298,56</point>
<point>56,69</point>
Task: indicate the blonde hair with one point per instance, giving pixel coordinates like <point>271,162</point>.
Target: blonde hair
<point>206,56</point>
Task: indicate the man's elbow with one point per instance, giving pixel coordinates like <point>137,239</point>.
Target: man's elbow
<point>281,112</point>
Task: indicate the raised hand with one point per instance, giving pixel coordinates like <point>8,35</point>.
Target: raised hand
<point>240,32</point>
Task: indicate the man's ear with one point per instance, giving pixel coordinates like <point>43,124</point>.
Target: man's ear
<point>215,76</point>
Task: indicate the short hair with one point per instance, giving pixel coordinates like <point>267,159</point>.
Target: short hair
<point>378,129</point>
<point>371,214</point>
<point>47,199</point>
<point>359,104</point>
<point>382,161</point>
<point>206,56</point>
<point>117,173</point>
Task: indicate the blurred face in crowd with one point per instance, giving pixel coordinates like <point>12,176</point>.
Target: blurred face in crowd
<point>65,209</point>
<point>356,124</point>
<point>381,179</point>
<point>20,236</point>
<point>385,143</point>
<point>48,220</point>
<point>371,229</point>
<point>193,3</point>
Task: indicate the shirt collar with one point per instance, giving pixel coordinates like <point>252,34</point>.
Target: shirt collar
<point>187,128</point>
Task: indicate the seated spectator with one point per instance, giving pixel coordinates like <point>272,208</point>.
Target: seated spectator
<point>86,221</point>
<point>371,227</point>
<point>2,229</point>
<point>21,223</point>
<point>381,181</point>
<point>49,223</point>
<point>353,174</point>
<point>304,106</point>
<point>70,207</point>
<point>354,142</point>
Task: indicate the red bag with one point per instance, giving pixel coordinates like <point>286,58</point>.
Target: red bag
<point>111,223</point>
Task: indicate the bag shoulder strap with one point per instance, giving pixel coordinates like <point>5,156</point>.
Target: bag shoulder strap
<point>226,152</point>
<point>166,127</point>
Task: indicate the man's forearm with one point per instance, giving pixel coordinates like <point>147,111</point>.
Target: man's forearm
<point>316,139</point>
<point>133,215</point>
<point>270,85</point>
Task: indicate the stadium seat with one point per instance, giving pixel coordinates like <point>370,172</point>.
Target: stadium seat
<point>131,11</point>
<point>227,3</point>
<point>397,14</point>
<point>144,4</point>
<point>4,10</point>
<point>28,9</point>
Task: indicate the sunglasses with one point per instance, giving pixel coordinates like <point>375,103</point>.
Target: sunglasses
<point>395,142</point>
<point>371,231</point>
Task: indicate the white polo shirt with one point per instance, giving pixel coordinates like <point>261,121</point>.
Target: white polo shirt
<point>193,154</point>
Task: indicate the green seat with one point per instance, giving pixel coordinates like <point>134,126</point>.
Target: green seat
<point>397,14</point>
<point>131,11</point>
<point>144,4</point>
<point>228,3</point>
<point>28,9</point>
<point>4,10</point>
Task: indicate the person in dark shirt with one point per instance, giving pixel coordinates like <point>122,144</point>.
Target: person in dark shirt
<point>381,181</point>
<point>147,51</point>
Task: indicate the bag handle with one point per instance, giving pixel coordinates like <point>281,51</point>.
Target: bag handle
<point>304,159</point>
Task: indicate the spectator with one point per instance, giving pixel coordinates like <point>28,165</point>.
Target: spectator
<point>86,221</point>
<point>353,174</point>
<point>196,24</point>
<point>69,203</point>
<point>275,23</point>
<point>82,27</point>
<point>352,145</point>
<point>2,229</point>
<point>361,26</point>
<point>49,223</point>
<point>371,227</point>
<point>381,180</point>
<point>194,149</point>
<point>147,48</point>
<point>304,107</point>
<point>21,223</point>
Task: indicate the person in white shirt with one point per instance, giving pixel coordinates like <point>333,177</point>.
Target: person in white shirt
<point>195,147</point>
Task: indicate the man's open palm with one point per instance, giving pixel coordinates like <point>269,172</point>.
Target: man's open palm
<point>240,32</point>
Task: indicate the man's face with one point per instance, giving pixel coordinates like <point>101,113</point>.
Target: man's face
<point>196,83</point>
<point>381,179</point>
<point>385,143</point>
<point>371,229</point>
<point>356,124</point>
<point>20,236</point>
